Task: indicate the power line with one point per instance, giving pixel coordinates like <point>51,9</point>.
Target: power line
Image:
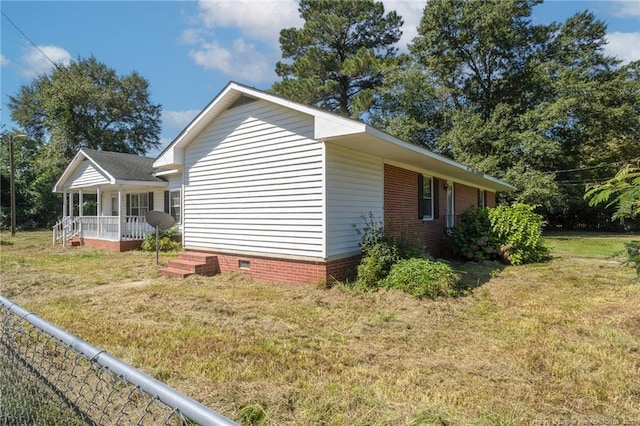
<point>590,167</point>
<point>28,39</point>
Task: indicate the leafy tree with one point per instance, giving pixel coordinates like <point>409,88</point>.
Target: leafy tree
<point>621,191</point>
<point>540,106</point>
<point>86,104</point>
<point>83,104</point>
<point>338,57</point>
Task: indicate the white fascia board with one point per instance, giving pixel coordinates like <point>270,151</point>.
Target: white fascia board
<point>138,183</point>
<point>327,126</point>
<point>166,172</point>
<point>70,169</point>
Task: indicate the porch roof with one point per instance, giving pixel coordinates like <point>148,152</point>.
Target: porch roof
<point>112,168</point>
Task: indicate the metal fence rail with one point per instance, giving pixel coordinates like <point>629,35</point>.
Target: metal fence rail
<point>48,376</point>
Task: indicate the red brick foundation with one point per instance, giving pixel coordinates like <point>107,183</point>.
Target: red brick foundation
<point>289,271</point>
<point>112,245</point>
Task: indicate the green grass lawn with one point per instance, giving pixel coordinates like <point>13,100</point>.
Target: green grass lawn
<point>589,244</point>
<point>557,341</point>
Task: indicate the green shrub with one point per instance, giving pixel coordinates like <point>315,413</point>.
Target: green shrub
<point>473,239</point>
<point>380,253</point>
<point>422,278</point>
<point>168,241</point>
<point>519,231</point>
<point>633,255</point>
<point>512,234</point>
<point>377,260</point>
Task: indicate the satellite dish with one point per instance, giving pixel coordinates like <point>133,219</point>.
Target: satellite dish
<point>159,220</point>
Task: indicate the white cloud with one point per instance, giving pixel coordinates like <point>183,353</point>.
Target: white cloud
<point>256,20</point>
<point>624,46</point>
<point>626,8</point>
<point>34,62</point>
<point>178,120</point>
<point>4,61</point>
<point>242,60</point>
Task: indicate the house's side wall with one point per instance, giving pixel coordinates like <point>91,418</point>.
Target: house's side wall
<point>253,183</point>
<point>86,175</point>
<point>354,189</point>
<point>465,196</point>
<point>401,210</point>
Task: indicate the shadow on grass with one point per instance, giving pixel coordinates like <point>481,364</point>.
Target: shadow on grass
<point>6,243</point>
<point>475,274</point>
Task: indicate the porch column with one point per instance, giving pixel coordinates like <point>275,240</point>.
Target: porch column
<point>71,203</point>
<point>80,204</point>
<point>64,204</point>
<point>119,213</point>
<point>99,211</point>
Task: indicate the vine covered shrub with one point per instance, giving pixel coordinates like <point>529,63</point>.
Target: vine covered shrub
<point>422,278</point>
<point>167,241</point>
<point>380,253</point>
<point>512,234</point>
<point>519,231</point>
<point>473,239</point>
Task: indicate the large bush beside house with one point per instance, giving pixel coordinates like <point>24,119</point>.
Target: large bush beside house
<point>512,234</point>
<point>395,264</point>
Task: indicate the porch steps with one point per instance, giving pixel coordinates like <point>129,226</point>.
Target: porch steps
<point>75,242</point>
<point>191,263</point>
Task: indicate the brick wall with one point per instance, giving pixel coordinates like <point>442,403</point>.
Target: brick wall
<point>401,210</point>
<point>112,245</point>
<point>288,271</point>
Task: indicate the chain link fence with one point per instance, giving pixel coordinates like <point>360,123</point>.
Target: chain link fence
<point>50,377</point>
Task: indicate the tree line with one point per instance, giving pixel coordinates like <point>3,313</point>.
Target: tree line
<point>539,106</point>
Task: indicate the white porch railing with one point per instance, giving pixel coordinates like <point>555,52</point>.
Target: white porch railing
<point>102,228</point>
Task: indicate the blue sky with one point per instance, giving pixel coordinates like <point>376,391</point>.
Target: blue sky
<point>190,50</point>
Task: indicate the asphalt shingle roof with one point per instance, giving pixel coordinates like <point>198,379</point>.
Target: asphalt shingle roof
<point>124,166</point>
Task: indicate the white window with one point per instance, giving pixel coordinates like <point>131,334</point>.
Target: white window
<point>482,199</point>
<point>175,205</point>
<point>139,204</point>
<point>114,205</point>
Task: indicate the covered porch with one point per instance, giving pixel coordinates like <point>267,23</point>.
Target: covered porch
<point>106,216</point>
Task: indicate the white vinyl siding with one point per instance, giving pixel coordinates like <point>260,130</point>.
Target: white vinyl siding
<point>86,175</point>
<point>254,183</point>
<point>354,189</point>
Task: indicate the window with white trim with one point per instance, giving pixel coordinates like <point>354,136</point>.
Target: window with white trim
<point>139,204</point>
<point>175,205</point>
<point>114,205</point>
<point>482,199</point>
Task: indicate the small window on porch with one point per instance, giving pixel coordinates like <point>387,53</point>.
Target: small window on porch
<point>114,205</point>
<point>138,204</point>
